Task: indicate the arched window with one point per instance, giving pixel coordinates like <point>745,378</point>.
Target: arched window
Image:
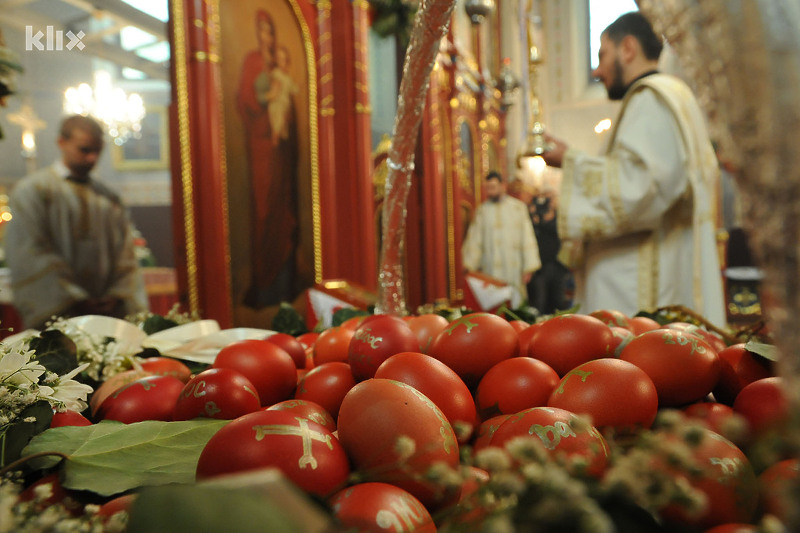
<point>601,14</point>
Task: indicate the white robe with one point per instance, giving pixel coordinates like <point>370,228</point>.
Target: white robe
<point>500,242</point>
<point>645,210</point>
<point>67,242</point>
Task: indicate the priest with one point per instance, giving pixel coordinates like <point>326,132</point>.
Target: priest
<point>500,240</point>
<point>70,243</point>
<point>644,210</point>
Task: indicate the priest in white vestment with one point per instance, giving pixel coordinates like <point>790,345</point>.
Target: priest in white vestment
<point>500,241</point>
<point>69,245</point>
<point>645,210</point>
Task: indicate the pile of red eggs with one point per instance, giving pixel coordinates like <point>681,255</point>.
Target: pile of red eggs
<point>359,414</point>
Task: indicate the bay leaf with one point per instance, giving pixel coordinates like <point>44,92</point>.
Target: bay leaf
<point>108,458</point>
<point>767,351</point>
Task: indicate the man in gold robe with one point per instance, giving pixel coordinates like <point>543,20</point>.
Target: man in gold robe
<point>69,244</point>
<point>500,241</point>
<point>645,210</point>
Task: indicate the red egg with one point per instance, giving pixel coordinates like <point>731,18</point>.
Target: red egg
<point>518,325</point>
<point>621,337</point>
<point>117,505</point>
<point>268,367</point>
<point>48,491</point>
<point>426,327</point>
<point>375,340</point>
<point>764,404</point>
<point>307,409</point>
<point>725,477</point>
<point>167,366</point>
<point>304,451</point>
<point>775,485</point>
<point>474,343</point>
<point>612,318</point>
<point>473,508</point>
<point>640,324</point>
<point>148,398</point>
<point>739,367</point>
<point>525,337</point>
<point>221,393</point>
<point>332,345</point>
<point>379,507</point>
<point>69,418</point>
<point>292,346</point>
<point>733,528</point>
<point>714,415</point>
<point>353,322</point>
<point>612,392</point>
<point>716,342</point>
<point>326,385</point>
<point>308,339</point>
<point>683,367</point>
<point>514,385</point>
<point>112,384</point>
<point>566,341</point>
<point>486,430</point>
<point>394,434</point>
<point>438,382</point>
<point>561,434</point>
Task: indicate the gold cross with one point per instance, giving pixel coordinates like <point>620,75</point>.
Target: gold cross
<point>302,431</point>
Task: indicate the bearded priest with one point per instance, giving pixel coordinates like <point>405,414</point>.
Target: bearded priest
<point>645,210</point>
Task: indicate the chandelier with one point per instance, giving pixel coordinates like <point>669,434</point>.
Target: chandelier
<point>121,113</point>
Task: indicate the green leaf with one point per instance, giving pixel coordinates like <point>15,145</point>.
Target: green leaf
<point>55,351</point>
<point>288,320</point>
<point>767,351</point>
<point>526,313</point>
<point>346,313</point>
<point>156,323</point>
<point>17,434</point>
<point>217,509</point>
<point>110,457</point>
<point>571,311</point>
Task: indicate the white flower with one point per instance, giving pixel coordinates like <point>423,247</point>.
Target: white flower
<point>16,368</point>
<point>71,394</point>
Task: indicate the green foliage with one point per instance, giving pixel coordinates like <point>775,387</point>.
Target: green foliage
<point>289,320</point>
<point>393,17</point>
<point>526,313</point>
<point>15,435</point>
<point>346,313</point>
<point>108,458</point>
<point>55,351</point>
<point>156,323</point>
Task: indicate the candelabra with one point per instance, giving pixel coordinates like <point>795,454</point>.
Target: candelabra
<point>535,144</point>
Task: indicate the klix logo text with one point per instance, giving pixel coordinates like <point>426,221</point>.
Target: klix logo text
<point>52,39</point>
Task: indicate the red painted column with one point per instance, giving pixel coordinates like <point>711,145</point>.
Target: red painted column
<point>433,195</point>
<point>197,169</point>
<point>362,147</point>
<point>329,210</point>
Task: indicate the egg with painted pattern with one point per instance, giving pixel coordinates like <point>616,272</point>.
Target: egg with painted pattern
<point>564,436</point>
<point>307,453</point>
<point>377,507</point>
<point>395,434</point>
